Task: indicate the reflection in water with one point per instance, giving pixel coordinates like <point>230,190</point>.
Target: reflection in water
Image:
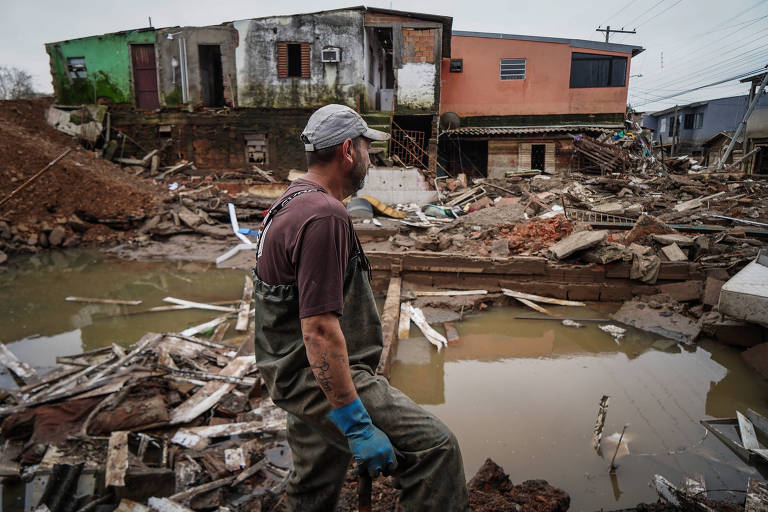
<point>526,394</point>
<point>39,325</point>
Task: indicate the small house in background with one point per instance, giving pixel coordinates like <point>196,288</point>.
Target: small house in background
<point>714,149</point>
<point>238,94</point>
<point>698,122</point>
<point>757,129</point>
<point>513,102</point>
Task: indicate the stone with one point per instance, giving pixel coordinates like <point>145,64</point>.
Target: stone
<point>683,291</point>
<point>508,201</point>
<point>481,203</point>
<point>3,257</point>
<point>57,235</point>
<point>673,238</point>
<point>500,248</point>
<point>577,242</point>
<point>77,224</point>
<point>712,288</point>
<point>674,253</point>
<point>757,358</point>
<point>731,331</point>
<point>646,225</point>
<point>663,321</point>
<point>43,239</point>
<point>5,231</point>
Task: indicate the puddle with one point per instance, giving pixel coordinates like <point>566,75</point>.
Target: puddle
<point>526,393</point>
<point>523,392</point>
<point>39,325</point>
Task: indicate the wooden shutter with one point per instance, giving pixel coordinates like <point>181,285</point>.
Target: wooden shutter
<point>524,163</point>
<point>549,157</point>
<point>304,60</point>
<point>282,59</point>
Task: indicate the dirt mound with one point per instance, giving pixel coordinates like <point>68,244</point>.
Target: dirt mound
<point>492,216</point>
<point>81,184</point>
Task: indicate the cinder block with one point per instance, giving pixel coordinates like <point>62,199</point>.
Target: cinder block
<point>584,292</point>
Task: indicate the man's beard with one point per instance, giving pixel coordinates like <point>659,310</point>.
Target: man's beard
<point>359,173</point>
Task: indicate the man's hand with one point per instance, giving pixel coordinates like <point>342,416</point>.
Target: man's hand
<point>327,354</point>
<point>371,447</point>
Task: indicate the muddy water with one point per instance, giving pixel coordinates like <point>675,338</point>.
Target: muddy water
<point>526,394</point>
<point>522,392</point>
<point>38,325</point>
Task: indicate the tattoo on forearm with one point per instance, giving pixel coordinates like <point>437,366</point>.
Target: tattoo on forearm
<point>322,373</point>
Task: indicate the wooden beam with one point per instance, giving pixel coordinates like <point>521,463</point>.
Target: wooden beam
<point>245,305</point>
<point>117,459</point>
<point>389,321</point>
<point>18,368</point>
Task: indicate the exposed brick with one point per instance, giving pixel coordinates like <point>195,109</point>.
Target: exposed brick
<point>556,290</point>
<point>418,279</point>
<point>674,271</point>
<point>609,293</point>
<point>683,291</point>
<point>619,270</point>
<point>584,292</point>
<point>644,289</point>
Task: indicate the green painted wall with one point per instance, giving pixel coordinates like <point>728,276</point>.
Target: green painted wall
<point>108,61</point>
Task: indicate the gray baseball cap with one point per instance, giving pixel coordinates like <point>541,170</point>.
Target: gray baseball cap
<point>333,124</point>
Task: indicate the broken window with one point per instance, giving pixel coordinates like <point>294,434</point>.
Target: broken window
<point>293,60</point>
<point>256,148</point>
<point>593,70</point>
<point>457,65</point>
<point>512,69</point>
<point>76,67</point>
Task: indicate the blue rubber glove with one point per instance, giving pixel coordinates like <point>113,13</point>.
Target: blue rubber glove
<point>370,446</point>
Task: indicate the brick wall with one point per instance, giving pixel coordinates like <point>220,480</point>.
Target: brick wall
<point>418,45</point>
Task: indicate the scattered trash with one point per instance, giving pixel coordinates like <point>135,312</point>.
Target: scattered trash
<point>615,331</point>
<point>570,323</point>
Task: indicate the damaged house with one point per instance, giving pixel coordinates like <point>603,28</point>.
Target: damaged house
<point>513,102</point>
<point>238,94</point>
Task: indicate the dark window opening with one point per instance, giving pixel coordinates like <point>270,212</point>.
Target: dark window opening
<point>761,161</point>
<point>410,139</point>
<point>294,60</point>
<point>76,67</point>
<point>211,75</point>
<point>688,121</point>
<point>538,156</point>
<point>593,70</point>
<point>457,65</point>
<point>466,156</point>
<point>674,128</point>
<point>370,65</point>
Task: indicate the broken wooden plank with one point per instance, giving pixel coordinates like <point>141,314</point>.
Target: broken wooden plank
<point>198,305</point>
<point>220,331</point>
<point>147,341</point>
<point>210,394</point>
<point>250,471</point>
<point>404,325</point>
<point>600,422</point>
<point>535,306</point>
<point>166,505</point>
<point>264,174</point>
<point>757,496</point>
<point>93,300</point>
<point>198,438</point>
<point>186,496</point>
<point>694,487</point>
<point>695,203</point>
<point>206,376</point>
<point>234,459</point>
<point>434,337</point>
<point>196,329</point>
<point>666,490</point>
<point>747,432</point>
<point>539,298</point>
<point>450,293</point>
<point>245,305</point>
<point>18,368</point>
<point>389,322</point>
<point>117,459</point>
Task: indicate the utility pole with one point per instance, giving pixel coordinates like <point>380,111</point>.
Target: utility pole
<point>743,124</point>
<point>608,31</point>
<point>675,129</point>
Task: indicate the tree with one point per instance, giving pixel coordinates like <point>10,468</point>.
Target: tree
<point>15,84</point>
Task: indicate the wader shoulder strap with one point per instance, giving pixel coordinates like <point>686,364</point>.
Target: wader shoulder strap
<point>273,211</point>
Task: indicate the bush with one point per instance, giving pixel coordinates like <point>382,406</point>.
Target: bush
<point>15,84</point>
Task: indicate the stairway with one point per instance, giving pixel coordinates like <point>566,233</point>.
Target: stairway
<point>379,121</point>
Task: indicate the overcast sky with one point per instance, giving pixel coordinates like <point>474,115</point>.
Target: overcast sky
<point>688,43</point>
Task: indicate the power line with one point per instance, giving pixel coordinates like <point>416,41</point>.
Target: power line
<point>736,77</point>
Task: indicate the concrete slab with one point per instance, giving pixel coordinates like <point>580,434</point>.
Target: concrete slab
<point>662,321</point>
<point>393,185</point>
<point>745,295</point>
<point>673,238</point>
<point>577,242</point>
<point>712,291</point>
<point>674,253</point>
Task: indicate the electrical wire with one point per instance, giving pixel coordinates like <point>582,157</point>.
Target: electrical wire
<point>736,77</point>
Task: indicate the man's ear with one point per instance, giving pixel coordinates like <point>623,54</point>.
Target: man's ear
<point>347,152</point>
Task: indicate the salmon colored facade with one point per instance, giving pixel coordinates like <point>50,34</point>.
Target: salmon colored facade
<point>478,90</point>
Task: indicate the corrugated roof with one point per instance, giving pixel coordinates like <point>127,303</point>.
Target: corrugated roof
<point>523,130</point>
<point>576,43</point>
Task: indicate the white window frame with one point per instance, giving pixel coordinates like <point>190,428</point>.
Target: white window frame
<point>512,68</point>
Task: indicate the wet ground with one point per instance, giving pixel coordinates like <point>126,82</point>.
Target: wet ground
<point>523,392</point>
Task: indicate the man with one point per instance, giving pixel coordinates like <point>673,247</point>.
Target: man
<point>318,339</point>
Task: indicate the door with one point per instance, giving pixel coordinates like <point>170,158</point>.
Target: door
<point>145,76</point>
<point>538,156</point>
<point>211,75</point>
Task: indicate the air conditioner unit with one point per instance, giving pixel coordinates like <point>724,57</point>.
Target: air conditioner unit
<point>331,55</point>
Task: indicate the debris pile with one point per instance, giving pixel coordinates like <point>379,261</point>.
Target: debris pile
<point>174,420</point>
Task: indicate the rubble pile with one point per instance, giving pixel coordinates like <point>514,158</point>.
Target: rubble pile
<point>173,420</point>
<point>83,198</point>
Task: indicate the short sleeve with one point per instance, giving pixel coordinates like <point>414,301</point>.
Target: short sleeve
<point>321,260</point>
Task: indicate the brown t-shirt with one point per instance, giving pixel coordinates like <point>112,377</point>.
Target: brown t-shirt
<point>309,243</point>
